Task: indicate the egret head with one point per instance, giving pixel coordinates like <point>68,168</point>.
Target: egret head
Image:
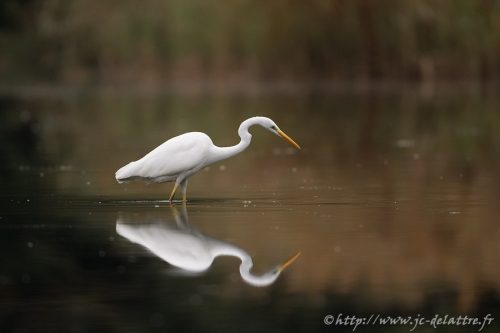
<point>267,278</point>
<point>271,126</point>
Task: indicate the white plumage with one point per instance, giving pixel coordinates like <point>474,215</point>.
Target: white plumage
<point>183,154</point>
<point>180,157</point>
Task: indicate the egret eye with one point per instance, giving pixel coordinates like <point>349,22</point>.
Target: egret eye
<point>273,128</point>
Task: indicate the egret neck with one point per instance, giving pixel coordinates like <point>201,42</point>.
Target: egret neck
<point>226,152</point>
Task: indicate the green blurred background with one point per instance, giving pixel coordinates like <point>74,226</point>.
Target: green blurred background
<point>160,40</point>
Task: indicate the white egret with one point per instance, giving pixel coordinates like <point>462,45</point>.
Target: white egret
<point>180,157</point>
<point>187,249</point>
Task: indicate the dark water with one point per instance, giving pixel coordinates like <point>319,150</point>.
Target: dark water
<point>393,203</point>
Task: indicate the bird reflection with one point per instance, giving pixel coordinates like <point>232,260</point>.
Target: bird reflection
<point>186,248</point>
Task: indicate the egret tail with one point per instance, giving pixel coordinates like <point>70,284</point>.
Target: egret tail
<point>127,172</point>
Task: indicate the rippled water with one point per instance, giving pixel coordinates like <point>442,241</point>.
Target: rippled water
<point>392,203</point>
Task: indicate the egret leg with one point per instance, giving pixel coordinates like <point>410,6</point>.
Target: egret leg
<point>184,185</point>
<point>173,192</point>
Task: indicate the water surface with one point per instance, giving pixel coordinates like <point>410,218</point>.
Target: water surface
<point>393,204</point>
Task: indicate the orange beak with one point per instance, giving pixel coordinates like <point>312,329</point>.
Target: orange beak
<point>287,138</point>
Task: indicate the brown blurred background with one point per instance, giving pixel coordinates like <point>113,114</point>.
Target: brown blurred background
<point>161,40</point>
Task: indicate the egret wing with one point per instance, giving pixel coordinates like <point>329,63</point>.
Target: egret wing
<point>178,155</point>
